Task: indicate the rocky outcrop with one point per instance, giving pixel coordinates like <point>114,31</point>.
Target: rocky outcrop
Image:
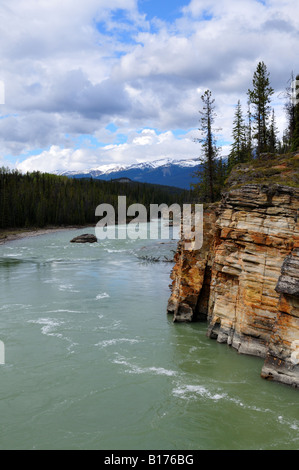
<point>85,238</point>
<point>244,281</point>
<point>282,360</point>
<point>288,282</point>
<point>191,275</point>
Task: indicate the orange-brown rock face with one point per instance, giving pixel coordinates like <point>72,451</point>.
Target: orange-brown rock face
<point>282,360</point>
<point>191,276</point>
<point>245,279</point>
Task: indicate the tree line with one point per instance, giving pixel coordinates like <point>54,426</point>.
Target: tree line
<point>253,133</point>
<point>43,199</point>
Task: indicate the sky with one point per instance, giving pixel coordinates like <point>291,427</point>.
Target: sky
<point>97,82</point>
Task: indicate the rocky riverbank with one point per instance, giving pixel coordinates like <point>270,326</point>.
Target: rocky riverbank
<point>245,280</point>
<point>17,234</point>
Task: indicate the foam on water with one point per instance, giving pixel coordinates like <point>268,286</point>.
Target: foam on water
<point>134,369</point>
<point>61,310</point>
<point>195,392</point>
<point>189,392</point>
<point>115,341</point>
<point>99,368</point>
<point>49,326</point>
<point>104,295</point>
<point>67,287</point>
<point>294,425</point>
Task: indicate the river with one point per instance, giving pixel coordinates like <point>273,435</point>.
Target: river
<point>92,361</point>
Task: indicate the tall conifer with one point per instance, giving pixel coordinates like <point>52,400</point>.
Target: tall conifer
<point>295,136</point>
<point>260,97</point>
<point>207,187</point>
<point>238,152</point>
<point>272,135</point>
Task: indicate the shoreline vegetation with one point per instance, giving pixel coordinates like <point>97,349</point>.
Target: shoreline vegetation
<point>8,235</point>
<point>11,234</point>
<point>44,200</point>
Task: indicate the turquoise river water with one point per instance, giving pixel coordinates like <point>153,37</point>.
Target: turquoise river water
<point>92,361</point>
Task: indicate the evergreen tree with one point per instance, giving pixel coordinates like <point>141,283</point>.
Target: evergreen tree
<point>283,145</point>
<point>4,201</point>
<point>260,97</point>
<point>221,175</point>
<point>207,187</point>
<point>272,135</point>
<point>248,131</point>
<point>295,136</point>
<point>238,152</point>
<point>38,200</point>
<point>290,113</point>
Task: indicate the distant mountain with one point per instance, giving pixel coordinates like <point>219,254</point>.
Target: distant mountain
<point>167,172</point>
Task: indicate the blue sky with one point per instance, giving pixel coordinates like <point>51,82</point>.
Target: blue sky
<point>165,10</point>
<point>106,82</point>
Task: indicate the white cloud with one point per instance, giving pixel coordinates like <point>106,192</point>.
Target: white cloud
<point>141,147</point>
<point>73,67</point>
<point>57,158</point>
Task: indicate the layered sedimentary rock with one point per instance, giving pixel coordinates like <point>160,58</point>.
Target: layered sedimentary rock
<point>191,275</point>
<point>245,280</point>
<point>282,360</point>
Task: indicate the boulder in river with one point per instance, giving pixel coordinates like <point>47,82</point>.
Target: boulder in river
<point>85,238</point>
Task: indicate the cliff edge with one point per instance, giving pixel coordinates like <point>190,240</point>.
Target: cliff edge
<point>245,279</point>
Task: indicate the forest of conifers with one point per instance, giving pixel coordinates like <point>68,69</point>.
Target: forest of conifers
<point>252,136</point>
<point>42,199</point>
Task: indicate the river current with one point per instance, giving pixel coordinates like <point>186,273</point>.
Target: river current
<point>92,361</point>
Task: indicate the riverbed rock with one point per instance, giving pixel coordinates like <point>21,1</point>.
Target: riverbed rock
<point>85,238</point>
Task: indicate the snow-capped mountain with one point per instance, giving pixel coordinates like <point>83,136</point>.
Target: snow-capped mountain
<point>165,171</point>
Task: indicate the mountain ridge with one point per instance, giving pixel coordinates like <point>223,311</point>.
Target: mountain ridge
<point>165,171</point>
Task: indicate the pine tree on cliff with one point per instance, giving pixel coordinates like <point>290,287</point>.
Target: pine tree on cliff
<point>290,113</point>
<point>248,130</point>
<point>272,135</point>
<point>208,187</point>
<point>260,97</point>
<point>238,153</point>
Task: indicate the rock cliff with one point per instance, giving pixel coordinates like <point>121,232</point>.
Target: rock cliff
<point>244,281</point>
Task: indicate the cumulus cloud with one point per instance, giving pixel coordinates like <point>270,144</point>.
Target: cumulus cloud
<point>72,68</point>
<point>141,147</point>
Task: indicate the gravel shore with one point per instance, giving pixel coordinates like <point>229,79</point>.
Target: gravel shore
<point>10,235</point>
